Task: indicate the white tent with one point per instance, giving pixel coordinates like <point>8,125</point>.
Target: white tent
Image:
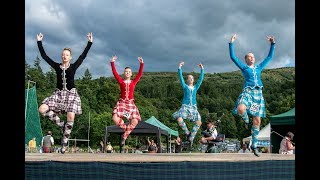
<point>264,134</point>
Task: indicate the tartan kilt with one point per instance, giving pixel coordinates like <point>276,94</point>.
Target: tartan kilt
<point>127,109</point>
<point>253,100</point>
<point>64,101</point>
<point>188,112</point>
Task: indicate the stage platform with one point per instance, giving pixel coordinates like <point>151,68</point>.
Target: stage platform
<point>156,157</point>
<point>159,166</point>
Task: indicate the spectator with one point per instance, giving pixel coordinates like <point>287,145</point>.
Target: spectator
<point>178,145</point>
<point>152,146</point>
<point>47,142</point>
<point>286,145</point>
<point>137,150</point>
<point>210,133</point>
<point>244,149</point>
<point>109,148</point>
<point>32,145</point>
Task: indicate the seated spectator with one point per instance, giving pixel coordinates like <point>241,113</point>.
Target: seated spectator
<point>209,134</point>
<point>286,145</point>
<point>137,150</point>
<point>244,149</point>
<point>152,146</point>
<point>178,145</point>
<point>109,148</point>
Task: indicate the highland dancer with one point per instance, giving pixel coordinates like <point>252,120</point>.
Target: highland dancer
<point>251,101</point>
<point>189,109</point>
<point>125,106</point>
<point>65,99</point>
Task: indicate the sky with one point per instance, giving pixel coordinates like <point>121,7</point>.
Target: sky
<point>162,32</point>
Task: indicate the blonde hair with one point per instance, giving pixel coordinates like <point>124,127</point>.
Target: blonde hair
<point>67,49</point>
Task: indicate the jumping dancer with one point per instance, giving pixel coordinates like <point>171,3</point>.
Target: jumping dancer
<point>125,106</point>
<point>65,99</point>
<point>189,109</point>
<point>251,100</point>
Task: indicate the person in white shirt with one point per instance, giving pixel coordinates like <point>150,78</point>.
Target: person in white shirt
<point>244,149</point>
<point>210,133</point>
<point>286,145</point>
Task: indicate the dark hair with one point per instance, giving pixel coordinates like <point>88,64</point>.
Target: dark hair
<point>212,122</point>
<point>127,67</point>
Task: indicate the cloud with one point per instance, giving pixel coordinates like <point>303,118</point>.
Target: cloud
<point>162,32</point>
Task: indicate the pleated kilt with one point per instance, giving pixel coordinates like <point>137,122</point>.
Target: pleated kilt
<point>253,100</point>
<point>188,112</point>
<point>127,109</point>
<point>64,101</point>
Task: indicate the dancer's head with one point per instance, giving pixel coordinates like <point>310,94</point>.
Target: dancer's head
<point>190,80</point>
<point>249,58</point>
<point>127,73</point>
<point>66,55</point>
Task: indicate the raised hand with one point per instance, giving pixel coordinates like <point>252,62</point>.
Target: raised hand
<point>181,64</point>
<point>39,37</point>
<point>113,58</point>
<point>90,37</point>
<point>271,39</point>
<point>140,59</point>
<point>233,38</point>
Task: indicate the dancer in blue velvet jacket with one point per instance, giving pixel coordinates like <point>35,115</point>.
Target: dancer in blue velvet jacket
<point>251,100</point>
<point>189,108</point>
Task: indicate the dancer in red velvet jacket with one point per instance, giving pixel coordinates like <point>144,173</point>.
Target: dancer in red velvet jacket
<point>125,106</point>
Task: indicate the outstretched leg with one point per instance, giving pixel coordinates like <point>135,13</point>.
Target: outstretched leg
<point>194,130</point>
<point>254,134</point>
<point>67,131</point>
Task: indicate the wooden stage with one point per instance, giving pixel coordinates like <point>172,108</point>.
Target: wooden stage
<point>157,157</point>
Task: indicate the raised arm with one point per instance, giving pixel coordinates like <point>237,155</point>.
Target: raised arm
<point>114,70</point>
<point>139,75</point>
<point>42,52</point>
<point>85,51</point>
<point>233,57</point>
<point>266,61</point>
<point>180,74</point>
<point>201,77</point>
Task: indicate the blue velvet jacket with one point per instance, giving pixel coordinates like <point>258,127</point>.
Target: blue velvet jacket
<point>252,75</point>
<point>189,94</point>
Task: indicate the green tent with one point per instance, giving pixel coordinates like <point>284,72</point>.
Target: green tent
<point>154,121</point>
<point>287,118</point>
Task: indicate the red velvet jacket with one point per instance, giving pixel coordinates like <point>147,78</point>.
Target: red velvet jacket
<point>127,89</point>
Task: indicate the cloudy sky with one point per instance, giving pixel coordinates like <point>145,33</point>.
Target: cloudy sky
<point>163,32</point>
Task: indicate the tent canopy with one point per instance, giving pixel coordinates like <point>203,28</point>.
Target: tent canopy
<point>264,134</point>
<point>286,118</point>
<point>141,129</point>
<point>154,121</point>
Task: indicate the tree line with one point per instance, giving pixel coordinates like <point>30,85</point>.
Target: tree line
<point>159,94</point>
